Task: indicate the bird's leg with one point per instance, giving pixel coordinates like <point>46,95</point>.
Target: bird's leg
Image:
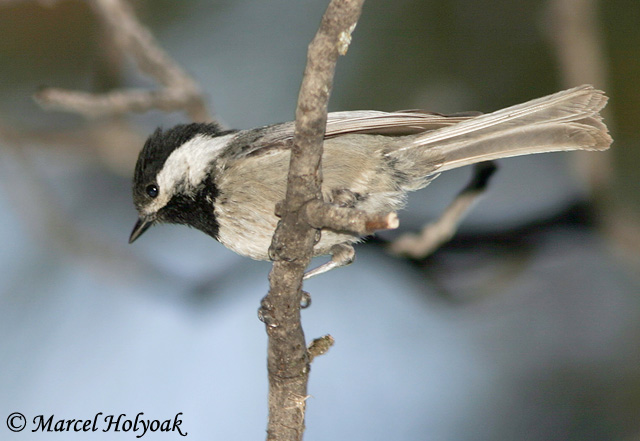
<point>341,255</point>
<point>435,234</point>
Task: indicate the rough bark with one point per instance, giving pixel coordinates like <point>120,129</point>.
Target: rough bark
<point>293,241</point>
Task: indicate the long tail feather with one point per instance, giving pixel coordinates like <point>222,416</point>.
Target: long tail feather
<point>567,120</point>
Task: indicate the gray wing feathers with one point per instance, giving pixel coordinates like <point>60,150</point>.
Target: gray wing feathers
<point>366,121</point>
<point>389,123</point>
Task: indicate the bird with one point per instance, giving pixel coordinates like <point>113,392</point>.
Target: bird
<point>226,183</point>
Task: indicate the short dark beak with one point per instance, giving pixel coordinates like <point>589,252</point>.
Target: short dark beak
<point>140,227</point>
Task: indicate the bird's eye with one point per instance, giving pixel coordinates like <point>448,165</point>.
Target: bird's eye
<point>152,190</point>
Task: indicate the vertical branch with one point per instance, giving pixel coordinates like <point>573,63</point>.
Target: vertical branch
<point>293,241</point>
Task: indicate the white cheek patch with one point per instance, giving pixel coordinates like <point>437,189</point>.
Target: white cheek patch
<point>188,166</point>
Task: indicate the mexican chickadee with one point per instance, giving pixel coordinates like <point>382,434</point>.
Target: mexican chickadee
<point>226,183</point>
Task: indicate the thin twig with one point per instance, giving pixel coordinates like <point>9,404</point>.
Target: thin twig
<point>435,234</point>
<point>179,91</point>
<point>116,102</point>
<point>293,241</point>
<point>323,215</point>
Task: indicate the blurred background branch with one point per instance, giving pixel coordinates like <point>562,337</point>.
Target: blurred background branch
<point>179,91</point>
<point>577,36</point>
<point>112,137</point>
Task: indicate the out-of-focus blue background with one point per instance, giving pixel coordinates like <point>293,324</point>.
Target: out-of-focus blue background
<point>527,326</point>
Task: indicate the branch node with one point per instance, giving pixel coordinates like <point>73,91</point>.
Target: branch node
<point>387,221</point>
<point>344,40</point>
<point>320,346</point>
<point>305,301</point>
<point>265,313</point>
<point>320,215</point>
